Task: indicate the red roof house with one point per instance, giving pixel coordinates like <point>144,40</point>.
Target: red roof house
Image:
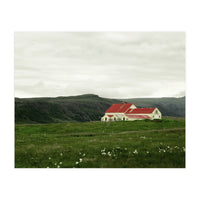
<point>128,111</point>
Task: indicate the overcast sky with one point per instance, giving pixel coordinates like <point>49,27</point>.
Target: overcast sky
<point>109,64</point>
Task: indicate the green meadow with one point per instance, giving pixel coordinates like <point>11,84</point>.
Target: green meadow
<point>122,144</point>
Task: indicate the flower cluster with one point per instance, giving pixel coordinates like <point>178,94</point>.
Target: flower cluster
<point>80,159</point>
<point>114,152</point>
<point>135,151</point>
<point>103,152</point>
<point>56,164</point>
<point>169,149</point>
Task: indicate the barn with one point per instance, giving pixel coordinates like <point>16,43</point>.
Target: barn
<point>129,112</point>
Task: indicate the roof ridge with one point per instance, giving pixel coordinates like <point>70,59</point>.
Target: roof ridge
<point>121,108</point>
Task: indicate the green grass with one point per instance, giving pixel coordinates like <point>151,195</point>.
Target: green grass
<point>135,144</point>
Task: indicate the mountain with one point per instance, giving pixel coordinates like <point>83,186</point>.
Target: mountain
<point>88,107</point>
<point>168,106</point>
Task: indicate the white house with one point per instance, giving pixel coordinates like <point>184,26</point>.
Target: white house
<point>129,112</point>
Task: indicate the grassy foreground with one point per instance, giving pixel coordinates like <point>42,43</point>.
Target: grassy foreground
<point>136,144</point>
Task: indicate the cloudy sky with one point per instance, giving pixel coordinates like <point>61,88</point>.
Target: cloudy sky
<point>109,64</point>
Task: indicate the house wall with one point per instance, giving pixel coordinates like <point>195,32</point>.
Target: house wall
<point>133,119</point>
<point>158,115</point>
<point>117,116</point>
<point>152,115</point>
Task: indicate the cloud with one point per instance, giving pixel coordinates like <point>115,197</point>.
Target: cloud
<point>111,64</point>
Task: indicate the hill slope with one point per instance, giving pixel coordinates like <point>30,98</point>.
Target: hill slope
<point>87,107</point>
<point>168,106</point>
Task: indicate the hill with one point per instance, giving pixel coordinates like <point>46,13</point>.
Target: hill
<point>168,106</point>
<point>82,108</point>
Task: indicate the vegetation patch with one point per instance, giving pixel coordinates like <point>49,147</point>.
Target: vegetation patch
<point>135,144</point>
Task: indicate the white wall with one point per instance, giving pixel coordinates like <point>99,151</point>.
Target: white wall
<point>118,116</point>
<point>158,115</point>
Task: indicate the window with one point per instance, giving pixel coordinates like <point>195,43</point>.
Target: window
<point>105,118</point>
<point>124,118</point>
<point>114,119</point>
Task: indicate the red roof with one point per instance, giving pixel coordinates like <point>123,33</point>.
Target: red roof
<point>138,116</point>
<point>110,115</point>
<point>119,108</point>
<point>140,111</point>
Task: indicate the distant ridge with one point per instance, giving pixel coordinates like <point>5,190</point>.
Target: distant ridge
<point>86,107</point>
<point>169,106</point>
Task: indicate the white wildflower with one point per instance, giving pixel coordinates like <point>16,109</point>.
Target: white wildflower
<point>84,154</point>
<point>103,153</point>
<point>135,152</point>
<point>77,163</point>
<point>49,158</point>
<point>80,159</point>
<point>61,154</point>
<point>103,150</point>
<point>147,151</point>
<point>60,163</point>
<point>109,154</point>
<point>58,166</point>
<point>55,163</point>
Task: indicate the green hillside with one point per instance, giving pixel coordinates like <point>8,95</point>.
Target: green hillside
<point>81,108</point>
<point>84,108</point>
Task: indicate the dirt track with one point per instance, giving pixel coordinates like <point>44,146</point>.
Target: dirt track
<point>154,130</point>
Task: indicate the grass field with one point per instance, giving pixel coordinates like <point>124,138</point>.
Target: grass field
<point>136,144</point>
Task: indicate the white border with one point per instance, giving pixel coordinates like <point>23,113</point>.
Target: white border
<point>91,15</point>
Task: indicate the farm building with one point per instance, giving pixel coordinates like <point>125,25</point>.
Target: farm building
<point>129,112</point>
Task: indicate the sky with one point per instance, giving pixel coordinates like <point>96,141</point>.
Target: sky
<point>108,64</point>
